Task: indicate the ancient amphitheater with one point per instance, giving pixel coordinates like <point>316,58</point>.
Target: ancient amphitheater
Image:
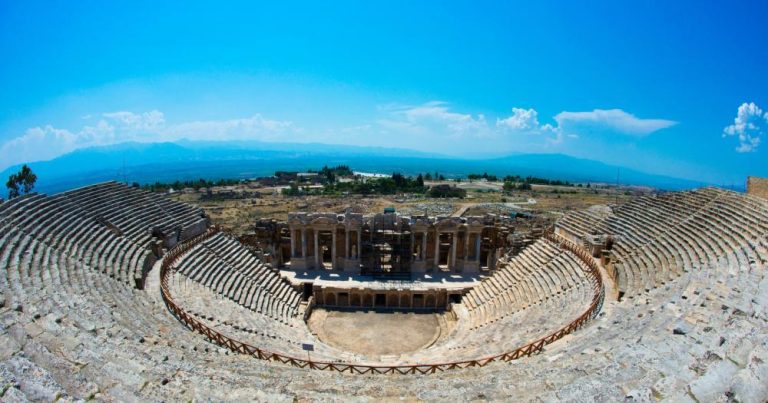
<point>112,293</point>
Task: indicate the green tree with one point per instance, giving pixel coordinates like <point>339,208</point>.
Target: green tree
<point>420,181</point>
<point>21,182</point>
<point>524,186</point>
<point>446,191</point>
<point>399,179</point>
<point>293,190</point>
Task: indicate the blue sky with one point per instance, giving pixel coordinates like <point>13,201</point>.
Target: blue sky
<point>676,88</point>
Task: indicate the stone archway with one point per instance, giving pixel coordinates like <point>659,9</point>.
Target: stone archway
<point>430,301</point>
<point>368,300</point>
<point>405,300</point>
<point>355,300</point>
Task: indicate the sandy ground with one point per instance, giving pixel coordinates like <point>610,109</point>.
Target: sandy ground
<point>375,333</point>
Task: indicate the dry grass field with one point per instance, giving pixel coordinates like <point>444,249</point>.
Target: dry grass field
<point>482,197</point>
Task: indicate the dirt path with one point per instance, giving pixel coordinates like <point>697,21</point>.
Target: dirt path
<point>463,209</point>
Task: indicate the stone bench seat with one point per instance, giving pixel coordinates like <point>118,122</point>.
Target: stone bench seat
<point>75,328</point>
<point>540,272</point>
<point>222,264</point>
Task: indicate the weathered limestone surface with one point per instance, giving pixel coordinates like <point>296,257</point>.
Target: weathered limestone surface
<point>386,243</point>
<point>692,325</point>
<point>757,186</point>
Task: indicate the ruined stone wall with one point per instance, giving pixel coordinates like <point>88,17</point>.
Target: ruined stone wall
<point>195,229</point>
<point>757,186</point>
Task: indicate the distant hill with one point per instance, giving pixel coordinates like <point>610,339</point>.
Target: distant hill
<point>184,160</point>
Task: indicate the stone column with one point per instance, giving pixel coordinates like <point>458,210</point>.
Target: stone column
<point>293,243</point>
<point>437,249</point>
<point>466,246</point>
<point>304,243</point>
<point>424,245</point>
<point>317,249</point>
<point>413,244</point>
<point>359,243</point>
<point>333,249</point>
<point>454,243</point>
<point>346,244</point>
<point>478,239</point>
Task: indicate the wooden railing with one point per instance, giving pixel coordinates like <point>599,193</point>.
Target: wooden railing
<point>527,350</point>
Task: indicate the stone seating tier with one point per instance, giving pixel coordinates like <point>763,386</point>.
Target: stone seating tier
<point>75,220</point>
<point>72,326</point>
<point>226,267</point>
<point>660,237</point>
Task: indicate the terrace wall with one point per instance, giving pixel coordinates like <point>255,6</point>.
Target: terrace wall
<point>757,186</point>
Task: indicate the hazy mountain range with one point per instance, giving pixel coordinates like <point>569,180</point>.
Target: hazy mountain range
<point>183,160</point>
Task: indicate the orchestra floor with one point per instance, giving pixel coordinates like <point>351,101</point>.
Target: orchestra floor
<point>373,334</point>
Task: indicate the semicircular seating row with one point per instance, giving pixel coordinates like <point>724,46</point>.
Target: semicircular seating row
<point>90,336</point>
<point>657,238</point>
<point>73,321</point>
<point>533,294</point>
<point>529,296</point>
<point>69,329</point>
<point>107,225</point>
<point>225,266</point>
<point>541,271</point>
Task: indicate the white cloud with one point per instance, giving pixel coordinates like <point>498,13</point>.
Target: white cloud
<point>615,120</point>
<point>46,142</point>
<point>433,117</point>
<point>37,143</point>
<point>525,122</point>
<point>147,121</point>
<point>432,127</point>
<point>252,128</point>
<point>521,119</point>
<point>435,126</point>
<point>749,126</point>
